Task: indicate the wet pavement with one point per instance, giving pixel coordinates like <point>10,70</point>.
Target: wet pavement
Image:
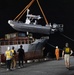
<point>49,67</point>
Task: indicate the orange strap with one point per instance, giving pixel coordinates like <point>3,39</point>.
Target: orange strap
<point>42,12</point>
<point>24,10</point>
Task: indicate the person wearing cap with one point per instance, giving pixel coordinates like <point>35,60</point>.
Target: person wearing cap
<point>57,52</point>
<point>8,55</point>
<point>66,55</point>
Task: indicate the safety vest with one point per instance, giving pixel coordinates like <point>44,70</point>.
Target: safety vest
<point>8,54</point>
<point>67,50</point>
<point>12,52</point>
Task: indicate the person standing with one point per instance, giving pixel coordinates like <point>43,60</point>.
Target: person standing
<point>21,56</point>
<point>66,55</point>
<point>13,61</point>
<point>8,55</point>
<point>57,52</point>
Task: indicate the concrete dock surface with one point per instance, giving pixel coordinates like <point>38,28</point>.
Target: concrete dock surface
<point>48,67</point>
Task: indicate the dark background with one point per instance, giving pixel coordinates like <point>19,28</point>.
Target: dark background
<point>56,11</point>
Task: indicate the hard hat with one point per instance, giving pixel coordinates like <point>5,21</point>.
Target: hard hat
<point>56,46</point>
<point>8,48</point>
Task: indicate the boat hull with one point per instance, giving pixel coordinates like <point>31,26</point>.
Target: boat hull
<point>29,27</point>
<point>47,29</point>
<point>32,51</point>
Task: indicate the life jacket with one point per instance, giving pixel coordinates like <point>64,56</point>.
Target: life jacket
<point>56,51</point>
<point>67,50</point>
<point>8,54</point>
<point>13,52</point>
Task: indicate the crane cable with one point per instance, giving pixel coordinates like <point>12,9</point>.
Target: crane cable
<point>42,12</point>
<point>64,36</point>
<point>67,37</point>
<point>53,46</point>
<point>24,10</point>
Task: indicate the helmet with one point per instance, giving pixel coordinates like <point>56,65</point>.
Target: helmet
<point>56,46</point>
<point>8,48</point>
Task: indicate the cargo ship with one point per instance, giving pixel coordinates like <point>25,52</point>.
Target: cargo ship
<point>32,47</point>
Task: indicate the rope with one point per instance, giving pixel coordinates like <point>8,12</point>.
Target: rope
<point>42,12</point>
<point>24,10</point>
<point>62,35</point>
<point>67,37</point>
<point>53,46</point>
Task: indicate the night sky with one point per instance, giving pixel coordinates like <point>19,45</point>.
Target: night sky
<point>56,11</point>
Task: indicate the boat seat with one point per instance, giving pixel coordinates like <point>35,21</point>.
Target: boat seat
<point>27,21</point>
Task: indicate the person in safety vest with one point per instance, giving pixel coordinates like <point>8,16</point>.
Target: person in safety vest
<point>66,54</point>
<point>13,62</point>
<point>57,52</point>
<point>8,55</point>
